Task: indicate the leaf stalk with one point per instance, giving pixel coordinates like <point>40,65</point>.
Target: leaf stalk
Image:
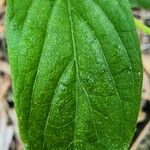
<point>142,27</point>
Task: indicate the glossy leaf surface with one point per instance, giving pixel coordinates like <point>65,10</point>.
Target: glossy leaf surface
<point>76,73</point>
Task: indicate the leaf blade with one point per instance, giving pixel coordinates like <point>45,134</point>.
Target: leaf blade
<point>73,75</point>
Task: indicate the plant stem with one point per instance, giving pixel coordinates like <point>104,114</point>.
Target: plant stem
<point>142,27</point>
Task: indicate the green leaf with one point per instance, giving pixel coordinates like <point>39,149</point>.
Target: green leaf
<point>76,72</point>
<point>140,3</point>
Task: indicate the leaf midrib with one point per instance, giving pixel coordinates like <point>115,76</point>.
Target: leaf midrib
<point>77,68</point>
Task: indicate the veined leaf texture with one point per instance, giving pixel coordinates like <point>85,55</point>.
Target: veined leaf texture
<point>76,72</point>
